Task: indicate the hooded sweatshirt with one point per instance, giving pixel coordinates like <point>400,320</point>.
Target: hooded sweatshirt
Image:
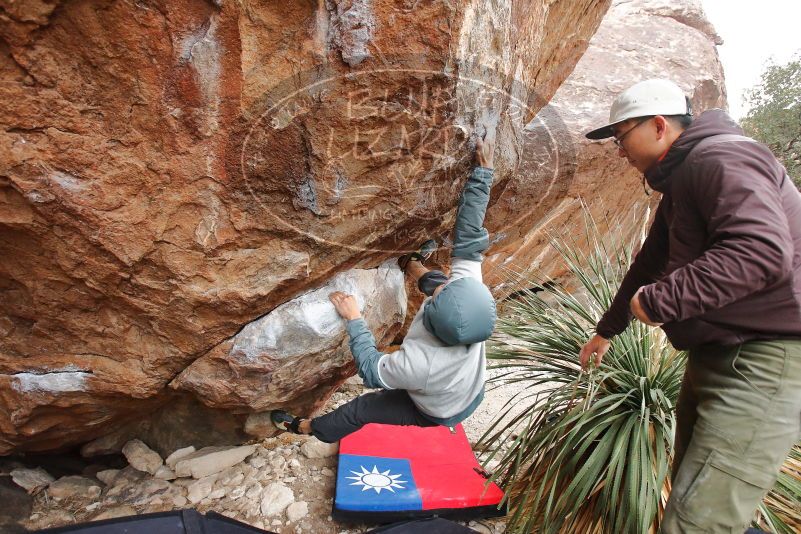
<point>445,382</point>
<point>722,260</point>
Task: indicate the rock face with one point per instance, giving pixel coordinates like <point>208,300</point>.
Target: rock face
<point>637,40</point>
<point>300,345</point>
<point>172,171</point>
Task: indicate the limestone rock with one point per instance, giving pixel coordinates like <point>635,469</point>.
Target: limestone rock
<point>73,486</point>
<point>165,473</point>
<point>211,460</point>
<point>107,476</point>
<point>275,499</point>
<point>117,511</point>
<point>142,457</point>
<point>297,511</point>
<point>637,39</point>
<point>32,480</point>
<point>259,425</point>
<point>173,458</point>
<point>154,200</point>
<point>301,345</point>
<point>314,448</point>
<point>200,489</point>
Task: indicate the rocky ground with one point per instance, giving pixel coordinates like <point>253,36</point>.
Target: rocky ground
<point>283,484</point>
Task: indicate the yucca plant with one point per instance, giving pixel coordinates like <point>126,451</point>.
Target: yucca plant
<point>780,512</point>
<point>590,452</point>
<point>587,452</point>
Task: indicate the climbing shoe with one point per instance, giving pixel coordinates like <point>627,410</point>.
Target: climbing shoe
<point>421,254</point>
<point>285,421</point>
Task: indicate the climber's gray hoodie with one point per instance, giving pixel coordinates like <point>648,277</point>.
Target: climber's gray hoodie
<point>446,382</point>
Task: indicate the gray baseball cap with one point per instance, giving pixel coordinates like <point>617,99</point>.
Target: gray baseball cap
<point>643,99</point>
<point>462,313</point>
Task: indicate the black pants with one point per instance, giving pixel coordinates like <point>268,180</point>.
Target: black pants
<point>430,281</point>
<point>388,406</point>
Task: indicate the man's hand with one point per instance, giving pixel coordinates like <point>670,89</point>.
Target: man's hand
<point>598,346</point>
<point>345,305</point>
<point>485,149</point>
<point>639,312</point>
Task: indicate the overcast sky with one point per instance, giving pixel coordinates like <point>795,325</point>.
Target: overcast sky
<point>753,32</point>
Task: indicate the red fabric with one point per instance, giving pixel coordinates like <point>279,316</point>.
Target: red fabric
<point>442,463</point>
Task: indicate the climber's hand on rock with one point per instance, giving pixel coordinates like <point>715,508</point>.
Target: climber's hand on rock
<point>485,149</point>
<point>345,305</point>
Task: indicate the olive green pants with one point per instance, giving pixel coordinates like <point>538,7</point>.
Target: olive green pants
<point>738,415</point>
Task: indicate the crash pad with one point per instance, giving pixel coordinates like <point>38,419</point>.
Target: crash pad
<point>387,473</point>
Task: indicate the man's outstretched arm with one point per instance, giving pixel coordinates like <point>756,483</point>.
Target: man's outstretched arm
<point>470,238</point>
<point>362,341</point>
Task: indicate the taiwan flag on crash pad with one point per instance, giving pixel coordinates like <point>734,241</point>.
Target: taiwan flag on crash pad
<point>389,472</point>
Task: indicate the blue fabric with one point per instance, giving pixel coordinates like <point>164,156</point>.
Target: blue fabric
<point>362,346</point>
<point>470,238</point>
<point>376,484</point>
<point>464,311</point>
<point>461,416</point>
<point>462,314</point>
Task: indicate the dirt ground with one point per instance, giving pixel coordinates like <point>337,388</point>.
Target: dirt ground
<point>277,460</point>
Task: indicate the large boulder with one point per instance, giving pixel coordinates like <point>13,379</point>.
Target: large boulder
<point>172,171</point>
<point>637,40</point>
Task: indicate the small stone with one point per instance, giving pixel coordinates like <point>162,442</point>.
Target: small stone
<point>257,462</point>
<point>278,463</point>
<point>480,527</point>
<point>297,511</point>
<point>142,457</point>
<point>211,460</point>
<point>173,458</point>
<point>107,476</point>
<point>117,511</point>
<point>254,491</point>
<point>232,478</point>
<point>327,472</point>
<point>73,486</point>
<point>217,494</point>
<point>179,501</point>
<point>32,480</point>
<point>294,463</point>
<point>277,522</point>
<point>275,499</point>
<point>314,448</point>
<point>237,493</point>
<point>147,491</point>
<point>164,473</point>
<point>92,507</point>
<point>200,489</point>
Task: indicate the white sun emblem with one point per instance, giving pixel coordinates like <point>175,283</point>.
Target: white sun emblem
<point>375,480</point>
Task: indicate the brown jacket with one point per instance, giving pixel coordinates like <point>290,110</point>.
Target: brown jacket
<point>722,260</point>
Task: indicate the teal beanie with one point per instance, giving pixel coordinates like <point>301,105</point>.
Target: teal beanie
<point>462,313</point>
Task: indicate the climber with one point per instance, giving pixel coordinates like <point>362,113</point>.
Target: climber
<point>436,377</point>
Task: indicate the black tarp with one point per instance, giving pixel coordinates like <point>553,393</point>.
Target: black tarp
<point>176,522</point>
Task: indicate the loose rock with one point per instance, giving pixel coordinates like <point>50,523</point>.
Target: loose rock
<point>142,457</point>
<point>173,458</point>
<point>314,448</point>
<point>210,460</point>
<point>32,480</point>
<point>276,498</point>
<point>73,486</point>
<point>297,511</point>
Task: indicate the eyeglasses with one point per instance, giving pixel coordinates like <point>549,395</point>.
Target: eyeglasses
<point>619,140</point>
